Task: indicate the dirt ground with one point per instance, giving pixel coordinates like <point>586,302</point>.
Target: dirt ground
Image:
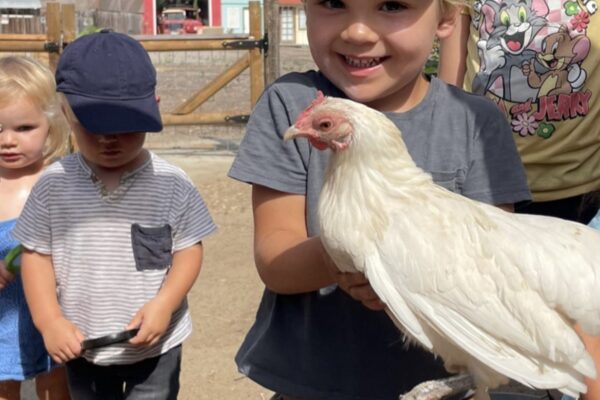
<point>225,298</point>
<point>223,302</point>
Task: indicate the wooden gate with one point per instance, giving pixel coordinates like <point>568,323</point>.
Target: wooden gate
<point>61,31</point>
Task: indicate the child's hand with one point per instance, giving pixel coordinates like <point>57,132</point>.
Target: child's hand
<point>153,320</point>
<point>359,288</point>
<point>5,276</point>
<point>356,285</point>
<point>62,340</point>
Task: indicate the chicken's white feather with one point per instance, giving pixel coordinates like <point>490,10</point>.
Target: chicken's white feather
<point>489,291</point>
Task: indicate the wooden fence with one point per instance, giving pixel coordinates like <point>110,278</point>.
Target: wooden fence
<point>30,24</point>
<point>61,30</point>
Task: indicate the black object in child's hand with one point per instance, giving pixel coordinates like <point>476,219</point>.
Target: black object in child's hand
<point>109,339</point>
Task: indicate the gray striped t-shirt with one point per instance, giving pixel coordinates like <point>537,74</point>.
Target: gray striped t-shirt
<point>101,281</point>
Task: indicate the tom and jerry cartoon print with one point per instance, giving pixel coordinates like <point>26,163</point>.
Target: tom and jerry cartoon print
<point>532,57</point>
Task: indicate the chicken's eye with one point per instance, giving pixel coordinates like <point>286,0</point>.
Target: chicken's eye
<point>325,125</point>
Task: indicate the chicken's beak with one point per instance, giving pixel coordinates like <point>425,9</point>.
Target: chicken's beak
<point>310,134</point>
<point>293,133</point>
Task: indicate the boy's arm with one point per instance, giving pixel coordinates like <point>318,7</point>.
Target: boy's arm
<point>453,52</point>
<point>61,338</point>
<point>154,317</point>
<point>290,262</point>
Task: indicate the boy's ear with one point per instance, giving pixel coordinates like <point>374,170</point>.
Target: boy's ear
<point>447,22</point>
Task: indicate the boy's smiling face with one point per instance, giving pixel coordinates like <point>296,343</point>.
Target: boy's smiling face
<point>374,50</point>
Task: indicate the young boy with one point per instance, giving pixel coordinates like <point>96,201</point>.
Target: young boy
<point>312,340</point>
<point>113,234</point>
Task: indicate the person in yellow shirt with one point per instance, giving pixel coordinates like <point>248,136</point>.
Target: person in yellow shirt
<point>539,61</point>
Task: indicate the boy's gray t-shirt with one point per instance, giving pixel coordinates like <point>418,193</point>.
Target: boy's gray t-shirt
<point>325,345</point>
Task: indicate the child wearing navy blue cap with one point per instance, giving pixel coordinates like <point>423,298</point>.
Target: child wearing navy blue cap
<point>112,234</point>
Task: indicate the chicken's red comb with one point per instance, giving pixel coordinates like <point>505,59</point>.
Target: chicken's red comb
<point>320,99</point>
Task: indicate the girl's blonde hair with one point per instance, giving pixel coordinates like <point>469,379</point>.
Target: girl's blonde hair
<point>449,5</point>
<point>67,110</point>
<point>22,76</point>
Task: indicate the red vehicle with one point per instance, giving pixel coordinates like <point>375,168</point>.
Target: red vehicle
<point>180,20</point>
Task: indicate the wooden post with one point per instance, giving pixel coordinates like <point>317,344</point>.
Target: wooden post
<point>175,44</point>
<point>69,30</point>
<point>273,27</point>
<point>209,118</point>
<point>69,33</point>
<point>22,42</point>
<point>53,22</point>
<point>257,83</point>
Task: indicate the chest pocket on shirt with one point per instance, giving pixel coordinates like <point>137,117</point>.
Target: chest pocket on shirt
<point>151,246</point>
<point>448,180</point>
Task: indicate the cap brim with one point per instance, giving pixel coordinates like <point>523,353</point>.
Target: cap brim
<point>102,116</point>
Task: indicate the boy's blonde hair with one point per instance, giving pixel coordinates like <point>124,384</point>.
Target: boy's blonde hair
<point>22,76</point>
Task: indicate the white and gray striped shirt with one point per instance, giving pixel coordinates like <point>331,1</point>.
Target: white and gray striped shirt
<point>100,284</point>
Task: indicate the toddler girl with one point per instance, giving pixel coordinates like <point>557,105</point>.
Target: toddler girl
<point>33,132</point>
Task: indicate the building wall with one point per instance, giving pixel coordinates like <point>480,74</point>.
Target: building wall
<point>21,16</point>
<point>235,17</point>
<point>301,38</point>
<point>124,16</point>
<point>293,24</point>
<point>79,4</point>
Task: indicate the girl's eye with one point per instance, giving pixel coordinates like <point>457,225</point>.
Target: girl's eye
<point>392,6</point>
<point>25,128</point>
<point>332,3</point>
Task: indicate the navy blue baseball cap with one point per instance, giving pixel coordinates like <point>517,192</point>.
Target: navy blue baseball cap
<point>109,81</point>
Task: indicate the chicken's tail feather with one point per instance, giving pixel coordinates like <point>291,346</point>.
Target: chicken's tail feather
<point>454,337</point>
<point>509,362</point>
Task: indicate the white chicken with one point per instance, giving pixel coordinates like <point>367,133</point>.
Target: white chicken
<point>447,267</point>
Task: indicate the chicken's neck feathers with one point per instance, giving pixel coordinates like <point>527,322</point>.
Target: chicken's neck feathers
<point>368,178</point>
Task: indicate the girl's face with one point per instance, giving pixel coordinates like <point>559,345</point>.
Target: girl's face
<point>375,50</point>
<point>23,136</point>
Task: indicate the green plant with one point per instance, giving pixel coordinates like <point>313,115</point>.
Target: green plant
<point>431,66</point>
<point>89,29</point>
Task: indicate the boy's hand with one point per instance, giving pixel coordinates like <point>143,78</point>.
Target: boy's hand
<point>62,340</point>
<point>153,320</point>
<point>5,276</point>
<point>356,285</point>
